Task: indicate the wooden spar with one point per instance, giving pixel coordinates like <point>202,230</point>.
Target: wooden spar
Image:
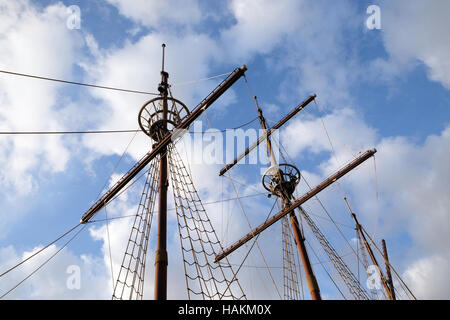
<point>262,121</point>
<point>198,110</point>
<point>297,203</point>
<point>268,133</point>
<point>161,256</point>
<point>370,251</point>
<point>388,270</point>
<point>311,280</point>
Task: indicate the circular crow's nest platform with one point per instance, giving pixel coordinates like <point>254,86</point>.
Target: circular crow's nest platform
<point>151,116</point>
<point>281,178</point>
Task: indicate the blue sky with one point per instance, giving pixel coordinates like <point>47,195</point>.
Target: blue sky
<point>386,88</point>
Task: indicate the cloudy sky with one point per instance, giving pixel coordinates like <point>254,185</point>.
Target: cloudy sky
<point>384,88</point>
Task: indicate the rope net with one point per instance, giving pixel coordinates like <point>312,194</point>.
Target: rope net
<point>199,241</point>
<point>130,281</point>
<point>350,280</point>
<point>291,284</point>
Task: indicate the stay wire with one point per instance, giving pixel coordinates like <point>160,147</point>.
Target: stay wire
<point>113,131</point>
<point>78,83</point>
<point>179,84</point>
<point>172,209</point>
<point>106,212</point>
<point>316,197</point>
<point>43,264</point>
<point>388,263</point>
<point>40,250</point>
<point>65,132</point>
<point>257,244</point>
<point>107,87</point>
<point>117,164</point>
<point>339,163</point>
<point>234,187</point>
<point>252,96</point>
<point>248,253</point>
<point>326,271</point>
<point>109,248</point>
<point>133,182</point>
<point>377,194</point>
<point>51,243</point>
<point>326,211</point>
<point>328,136</point>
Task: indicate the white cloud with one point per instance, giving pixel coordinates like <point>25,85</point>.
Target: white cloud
<point>416,176</point>
<point>428,277</point>
<point>36,42</point>
<point>260,26</point>
<point>118,110</point>
<point>309,41</point>
<point>50,282</point>
<point>310,134</point>
<point>154,13</point>
<point>413,32</point>
<point>412,181</point>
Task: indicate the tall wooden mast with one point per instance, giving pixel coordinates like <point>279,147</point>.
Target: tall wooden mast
<point>161,258</point>
<point>388,270</point>
<point>164,119</point>
<point>281,180</point>
<point>284,190</point>
<point>385,282</point>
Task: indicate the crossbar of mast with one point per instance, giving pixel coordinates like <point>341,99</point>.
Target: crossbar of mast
<point>198,110</point>
<point>324,184</point>
<point>268,133</point>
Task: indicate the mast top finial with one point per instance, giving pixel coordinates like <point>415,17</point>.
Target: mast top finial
<point>163,53</point>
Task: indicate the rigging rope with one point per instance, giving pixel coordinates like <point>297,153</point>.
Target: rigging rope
<point>77,83</point>
<point>234,187</point>
<point>291,285</point>
<point>328,136</point>
<point>353,285</point>
<point>377,196</point>
<point>179,84</point>
<point>198,239</point>
<point>65,132</point>
<point>110,88</point>
<point>113,131</point>
<point>43,264</point>
<point>387,262</point>
<point>116,165</point>
<point>326,271</point>
<point>339,163</point>
<point>323,207</point>
<point>39,251</point>
<point>132,269</point>
<point>109,248</point>
<point>346,274</point>
<point>250,226</point>
<point>137,179</point>
<point>251,247</point>
<point>172,209</point>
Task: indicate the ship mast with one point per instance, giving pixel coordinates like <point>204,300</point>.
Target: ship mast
<point>161,259</point>
<point>281,180</point>
<point>164,119</point>
<point>284,188</point>
<point>387,283</point>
